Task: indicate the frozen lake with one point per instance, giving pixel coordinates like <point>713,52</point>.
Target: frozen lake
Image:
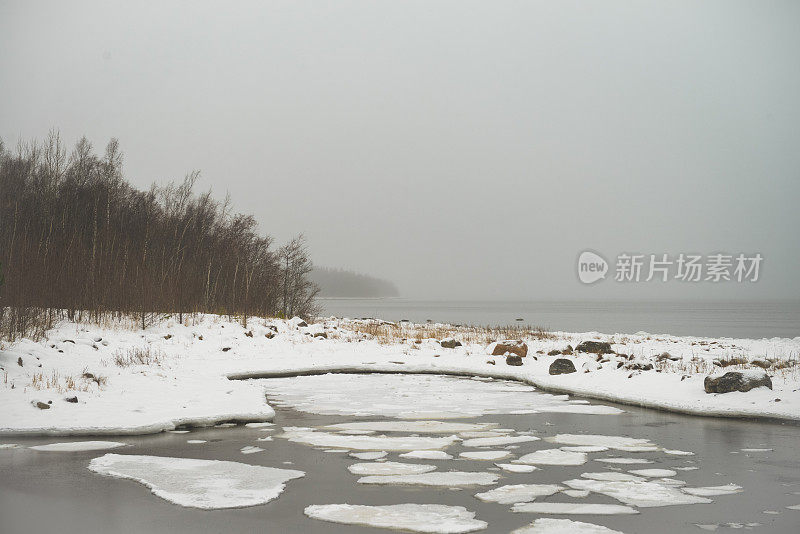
<point>50,490</point>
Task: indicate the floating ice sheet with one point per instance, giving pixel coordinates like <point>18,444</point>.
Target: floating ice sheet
<point>249,449</point>
<point>436,478</point>
<point>369,455</point>
<point>611,442</point>
<point>195,441</point>
<point>483,434</point>
<point>553,457</point>
<point>446,397</point>
<point>637,493</point>
<point>710,491</point>
<point>547,525</point>
<point>484,455</point>
<point>77,446</point>
<point>517,468</point>
<point>428,518</point>
<point>653,473</point>
<point>572,508</point>
<point>427,455</point>
<point>515,493</point>
<point>420,427</point>
<point>6,446</point>
<point>367,443</point>
<point>497,441</point>
<point>612,476</point>
<point>389,468</point>
<point>584,448</point>
<point>578,494</point>
<point>259,425</point>
<point>676,452</point>
<point>628,461</point>
<point>207,484</point>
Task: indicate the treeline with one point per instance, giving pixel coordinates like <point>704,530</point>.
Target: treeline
<point>341,283</point>
<point>77,239</point>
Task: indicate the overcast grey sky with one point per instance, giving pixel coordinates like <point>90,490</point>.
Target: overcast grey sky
<point>459,149</point>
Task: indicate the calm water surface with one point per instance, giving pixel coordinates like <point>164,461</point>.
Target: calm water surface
<point>713,319</point>
<point>54,492</point>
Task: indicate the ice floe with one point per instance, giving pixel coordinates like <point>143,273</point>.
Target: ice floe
<point>421,427</point>
<point>6,446</point>
<point>196,441</point>
<point>553,457</point>
<point>572,508</point>
<point>249,449</point>
<point>548,525</point>
<point>624,461</point>
<point>78,446</point>
<point>389,468</point>
<point>483,434</point>
<point>427,455</point>
<point>366,443</point>
<point>611,442</point>
<point>484,455</point>
<point>584,448</point>
<point>259,425</point>
<point>676,452</point>
<point>755,450</point>
<point>207,484</point>
<point>515,493</point>
<point>578,494</point>
<point>711,491</point>
<point>517,468</point>
<point>612,476</point>
<point>637,493</point>
<point>369,455</point>
<point>445,397</point>
<point>794,507</point>
<point>428,518</point>
<point>436,478</point>
<point>497,441</point>
<point>653,473</point>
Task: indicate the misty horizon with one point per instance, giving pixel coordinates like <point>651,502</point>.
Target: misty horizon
<point>461,151</point>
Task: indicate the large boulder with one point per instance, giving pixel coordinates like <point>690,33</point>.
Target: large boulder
<point>513,359</point>
<point>509,345</point>
<point>449,343</point>
<point>562,366</point>
<point>737,381</point>
<point>596,347</point>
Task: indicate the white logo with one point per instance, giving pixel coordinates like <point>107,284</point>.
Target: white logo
<point>591,267</point>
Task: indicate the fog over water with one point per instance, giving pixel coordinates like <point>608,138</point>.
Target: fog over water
<point>464,150</point>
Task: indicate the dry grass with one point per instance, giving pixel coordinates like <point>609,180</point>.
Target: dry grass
<point>62,384</point>
<point>138,356</point>
<point>387,333</point>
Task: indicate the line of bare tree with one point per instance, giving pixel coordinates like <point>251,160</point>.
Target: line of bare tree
<point>77,240</point>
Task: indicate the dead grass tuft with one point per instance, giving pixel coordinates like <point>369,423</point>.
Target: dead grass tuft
<point>138,356</point>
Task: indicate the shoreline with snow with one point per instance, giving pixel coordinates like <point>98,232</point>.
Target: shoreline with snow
<point>116,380</point>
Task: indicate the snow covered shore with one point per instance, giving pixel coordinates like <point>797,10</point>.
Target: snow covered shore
<point>87,379</point>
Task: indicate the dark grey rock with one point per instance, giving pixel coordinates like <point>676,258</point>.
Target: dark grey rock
<point>449,343</point>
<point>514,359</point>
<point>737,381</point>
<point>73,400</point>
<point>597,347</point>
<point>41,405</point>
<point>562,366</point>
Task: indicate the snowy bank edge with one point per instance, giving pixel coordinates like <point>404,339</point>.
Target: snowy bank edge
<point>265,414</point>
<point>703,409</point>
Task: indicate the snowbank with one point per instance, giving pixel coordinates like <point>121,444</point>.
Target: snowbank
<point>116,380</point>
